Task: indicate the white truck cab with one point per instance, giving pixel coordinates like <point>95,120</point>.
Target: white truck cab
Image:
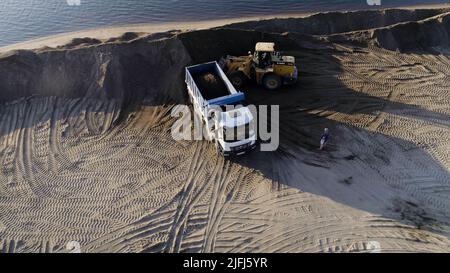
<point>236,131</point>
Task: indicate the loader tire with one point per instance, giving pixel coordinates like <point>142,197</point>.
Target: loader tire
<point>238,79</point>
<point>272,81</point>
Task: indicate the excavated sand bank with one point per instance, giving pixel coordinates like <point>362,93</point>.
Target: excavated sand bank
<point>86,152</point>
<point>124,70</point>
<point>339,22</point>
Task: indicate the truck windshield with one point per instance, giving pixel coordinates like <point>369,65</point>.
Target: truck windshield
<point>238,133</point>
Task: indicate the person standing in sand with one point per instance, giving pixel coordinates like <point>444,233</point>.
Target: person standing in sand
<point>324,138</point>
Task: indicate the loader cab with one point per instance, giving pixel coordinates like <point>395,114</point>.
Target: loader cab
<point>262,59</point>
<point>263,54</point>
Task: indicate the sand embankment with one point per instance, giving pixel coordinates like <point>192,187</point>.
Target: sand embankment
<point>75,166</point>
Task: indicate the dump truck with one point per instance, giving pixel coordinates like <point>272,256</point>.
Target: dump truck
<point>210,91</point>
<point>265,66</point>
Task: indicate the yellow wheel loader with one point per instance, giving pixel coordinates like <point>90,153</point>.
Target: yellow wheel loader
<point>266,66</point>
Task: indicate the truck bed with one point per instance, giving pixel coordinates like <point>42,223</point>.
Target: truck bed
<point>209,81</point>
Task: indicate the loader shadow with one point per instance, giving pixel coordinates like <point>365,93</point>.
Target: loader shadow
<point>307,108</point>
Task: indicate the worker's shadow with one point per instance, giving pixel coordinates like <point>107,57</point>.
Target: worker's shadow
<point>362,167</point>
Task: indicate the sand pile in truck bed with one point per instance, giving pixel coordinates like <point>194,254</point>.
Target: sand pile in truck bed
<point>211,85</point>
<point>86,152</point>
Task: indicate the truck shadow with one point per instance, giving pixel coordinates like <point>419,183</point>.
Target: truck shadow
<point>362,168</point>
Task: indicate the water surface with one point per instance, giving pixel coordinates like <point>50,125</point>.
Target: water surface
<point>22,20</point>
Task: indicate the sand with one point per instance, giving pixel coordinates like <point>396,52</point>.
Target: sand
<point>86,153</point>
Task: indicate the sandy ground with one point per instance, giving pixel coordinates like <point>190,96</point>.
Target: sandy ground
<point>79,169</point>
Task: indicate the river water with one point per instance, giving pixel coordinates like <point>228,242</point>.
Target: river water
<point>22,20</point>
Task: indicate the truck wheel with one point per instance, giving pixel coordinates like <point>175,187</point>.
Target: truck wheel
<point>272,81</point>
<point>237,78</point>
